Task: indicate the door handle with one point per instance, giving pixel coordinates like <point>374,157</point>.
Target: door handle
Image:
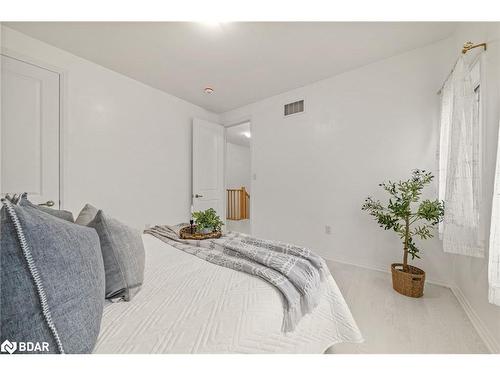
<point>48,204</point>
<point>198,196</point>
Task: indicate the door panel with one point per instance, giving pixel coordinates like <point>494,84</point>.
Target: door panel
<point>208,166</point>
<point>30,131</point>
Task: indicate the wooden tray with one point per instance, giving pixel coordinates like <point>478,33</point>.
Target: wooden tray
<point>185,234</point>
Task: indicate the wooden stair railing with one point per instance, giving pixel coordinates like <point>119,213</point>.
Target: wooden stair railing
<point>238,204</point>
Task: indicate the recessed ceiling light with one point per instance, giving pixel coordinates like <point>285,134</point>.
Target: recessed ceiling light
<point>247,134</point>
<point>208,90</point>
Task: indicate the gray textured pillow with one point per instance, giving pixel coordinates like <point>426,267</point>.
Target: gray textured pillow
<point>123,255</point>
<point>61,214</point>
<point>68,261</point>
<point>86,215</point>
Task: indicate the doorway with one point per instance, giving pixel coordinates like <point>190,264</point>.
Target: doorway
<point>238,178</point>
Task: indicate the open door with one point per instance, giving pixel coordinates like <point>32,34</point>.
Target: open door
<point>208,166</point>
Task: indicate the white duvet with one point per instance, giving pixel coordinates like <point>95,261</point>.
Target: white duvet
<point>187,305</point>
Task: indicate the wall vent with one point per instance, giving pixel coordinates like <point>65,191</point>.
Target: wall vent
<point>293,108</point>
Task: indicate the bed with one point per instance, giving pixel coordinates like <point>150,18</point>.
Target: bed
<point>187,305</point>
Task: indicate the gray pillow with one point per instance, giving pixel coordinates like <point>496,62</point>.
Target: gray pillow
<point>86,215</point>
<point>53,283</point>
<point>61,214</point>
<point>123,255</point>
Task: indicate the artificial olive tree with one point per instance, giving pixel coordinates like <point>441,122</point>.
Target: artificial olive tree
<point>404,214</point>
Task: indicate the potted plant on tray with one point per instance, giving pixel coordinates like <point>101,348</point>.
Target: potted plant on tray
<point>207,221</point>
<point>409,218</point>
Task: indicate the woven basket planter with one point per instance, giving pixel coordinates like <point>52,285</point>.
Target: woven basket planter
<point>409,281</point>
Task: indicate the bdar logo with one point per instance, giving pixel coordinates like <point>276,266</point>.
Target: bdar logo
<point>9,347</point>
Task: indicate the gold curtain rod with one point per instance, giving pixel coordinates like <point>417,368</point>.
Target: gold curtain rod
<point>466,48</point>
<point>469,45</point>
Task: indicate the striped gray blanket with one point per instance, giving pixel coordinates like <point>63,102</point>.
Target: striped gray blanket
<point>296,272</point>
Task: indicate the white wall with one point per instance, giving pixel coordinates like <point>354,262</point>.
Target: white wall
<point>360,128</point>
<point>470,275</point>
<point>127,146</point>
<point>237,166</point>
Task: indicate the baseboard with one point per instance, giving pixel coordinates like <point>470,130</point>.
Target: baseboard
<point>385,269</point>
<point>490,342</point>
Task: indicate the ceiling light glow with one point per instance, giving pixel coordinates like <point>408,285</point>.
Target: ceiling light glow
<point>212,24</point>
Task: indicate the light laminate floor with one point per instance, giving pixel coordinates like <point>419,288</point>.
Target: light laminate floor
<point>393,323</point>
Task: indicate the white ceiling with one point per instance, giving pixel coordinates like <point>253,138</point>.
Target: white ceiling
<point>238,134</point>
<point>243,62</point>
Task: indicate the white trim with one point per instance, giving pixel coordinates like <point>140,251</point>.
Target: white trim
<point>490,342</point>
<point>63,119</point>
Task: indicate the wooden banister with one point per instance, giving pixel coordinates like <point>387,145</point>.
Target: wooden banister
<point>238,204</point>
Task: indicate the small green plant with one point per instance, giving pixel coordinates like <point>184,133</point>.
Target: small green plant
<point>404,214</point>
<point>207,219</point>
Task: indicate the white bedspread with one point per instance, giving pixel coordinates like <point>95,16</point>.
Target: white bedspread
<point>187,305</point>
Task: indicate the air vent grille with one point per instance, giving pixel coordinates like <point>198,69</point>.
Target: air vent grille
<point>293,108</point>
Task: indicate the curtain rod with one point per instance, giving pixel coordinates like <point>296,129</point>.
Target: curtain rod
<point>466,48</point>
<point>469,45</point>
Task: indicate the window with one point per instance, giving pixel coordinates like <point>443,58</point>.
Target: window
<point>460,166</point>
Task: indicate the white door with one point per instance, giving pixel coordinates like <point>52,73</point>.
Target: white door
<point>208,166</point>
<point>30,131</point>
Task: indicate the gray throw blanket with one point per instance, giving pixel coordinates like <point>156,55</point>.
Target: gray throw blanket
<point>296,272</point>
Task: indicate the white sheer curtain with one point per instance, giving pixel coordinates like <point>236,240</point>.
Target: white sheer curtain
<point>460,167</point>
<point>494,262</point>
